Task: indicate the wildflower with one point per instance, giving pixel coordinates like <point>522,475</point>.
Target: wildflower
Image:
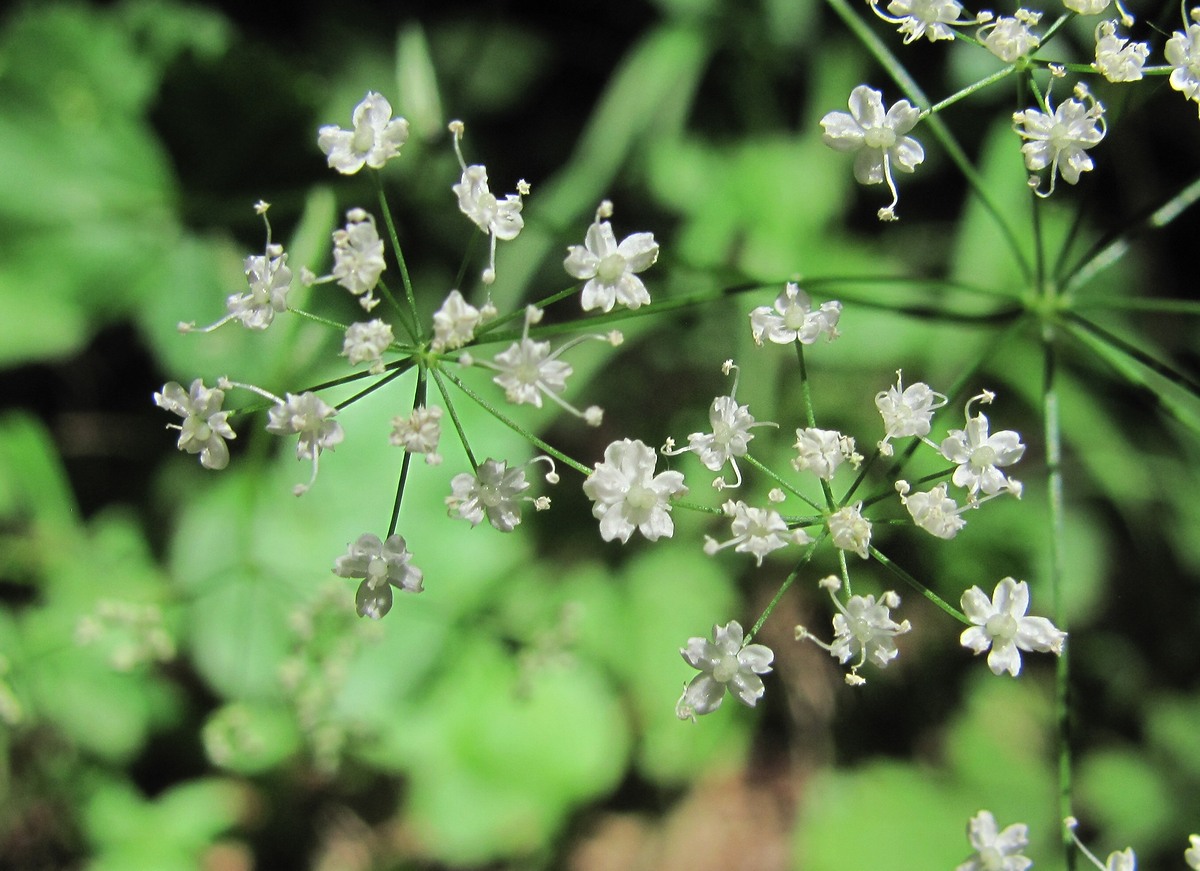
<point>1011,38</point>
<point>996,850</point>
<point>1182,52</point>
<point>357,258</point>
<point>731,424</point>
<point>849,530</point>
<point>725,662</point>
<point>821,451</point>
<point>500,220</point>
<point>1001,624</point>
<point>756,531</point>
<point>608,267</point>
<point>1095,7</point>
<point>863,628</point>
<point>1192,854</point>
<point>308,416</point>
<point>877,138</point>
<point>1118,59</point>
<point>375,139</point>
<point>366,342</point>
<point>269,279</point>
<point>935,512</point>
<point>1060,140</point>
<point>205,427</point>
<point>980,456</point>
<point>382,565</point>
<point>529,370</point>
<point>419,432</point>
<point>1118,860</point>
<point>793,319</point>
<point>454,324</point>
<point>628,495</point>
<point>929,18</point>
<point>495,491</point>
<point>906,411</point>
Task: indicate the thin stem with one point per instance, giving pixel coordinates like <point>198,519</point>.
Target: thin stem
<point>918,586</point>
<point>783,588</point>
<point>391,225</point>
<point>971,89</point>
<point>786,485</point>
<point>401,315</point>
<point>462,434</point>
<point>418,401</point>
<point>391,376</point>
<point>810,416</point>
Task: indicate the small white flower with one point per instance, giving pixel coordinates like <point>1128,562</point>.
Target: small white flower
<point>419,432</point>
<point>375,139</point>
<point>877,139</point>
<point>1192,854</point>
<point>1001,625</point>
<point>862,628</point>
<point>366,342</point>
<point>793,319</point>
<point>821,451</point>
<point>980,456</point>
<point>309,417</point>
<point>849,530</point>
<point>382,565</point>
<point>205,427</point>
<point>1060,140</point>
<point>499,219</point>
<point>628,495</point>
<point>1182,52</point>
<point>454,324</point>
<point>1011,38</point>
<point>726,662</point>
<point>929,18</point>
<point>493,491</point>
<point>1087,7</point>
<point>357,258</point>
<point>756,531</point>
<point>1118,59</point>
<point>996,850</point>
<point>935,512</point>
<point>1119,860</point>
<point>906,411</point>
<point>608,267</point>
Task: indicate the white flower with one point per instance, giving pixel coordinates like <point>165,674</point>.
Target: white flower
<point>366,342</point>
<point>821,451</point>
<point>205,427</point>
<point>794,320</point>
<point>980,456</point>
<point>608,267</point>
<point>877,138</point>
<point>1060,140</point>
<point>935,512</point>
<point>1120,860</point>
<point>1192,854</point>
<point>1010,38</point>
<point>419,432</point>
<point>756,531</point>
<point>1001,624</point>
<point>309,417</point>
<point>1087,7</point>
<point>862,628</point>
<point>494,490</point>
<point>375,139</point>
<point>906,411</point>
<point>628,495</point>
<point>996,850</point>
<point>849,530</point>
<point>358,256</point>
<point>929,18</point>
<point>725,662</point>
<point>454,324</point>
<point>499,219</point>
<point>1118,59</point>
<point>382,565</point>
<point>1182,52</point>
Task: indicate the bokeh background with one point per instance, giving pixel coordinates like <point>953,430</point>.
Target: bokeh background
<point>183,683</point>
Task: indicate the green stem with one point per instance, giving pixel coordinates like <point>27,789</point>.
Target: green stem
<point>781,482</point>
<point>391,376</point>
<point>391,225</point>
<point>418,401</point>
<point>453,412</point>
<point>810,416</point>
<point>783,588</point>
<point>918,586</point>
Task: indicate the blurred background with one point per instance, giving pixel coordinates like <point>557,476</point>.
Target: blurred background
<point>183,682</point>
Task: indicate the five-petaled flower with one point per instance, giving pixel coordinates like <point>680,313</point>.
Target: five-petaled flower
<point>382,565</point>
<point>1060,139</point>
<point>877,138</point>
<point>981,456</point>
<point>863,628</point>
<point>1118,59</point>
<point>374,140</point>
<point>1010,38</point>
<point>725,662</point>
<point>1001,625</point>
<point>849,530</point>
<point>794,320</point>
<point>628,495</point>
<point>307,415</point>
<point>906,411</point>
<point>500,219</point>
<point>1182,52</point>
<point>932,19</point>
<point>205,427</point>
<point>493,491</point>
<point>756,531</point>
<point>996,850</point>
<point>610,268</point>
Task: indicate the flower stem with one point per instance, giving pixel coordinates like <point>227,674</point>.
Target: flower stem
<point>918,586</point>
<point>462,435</point>
<point>418,400</point>
<point>810,416</point>
<point>783,588</point>
<point>391,225</point>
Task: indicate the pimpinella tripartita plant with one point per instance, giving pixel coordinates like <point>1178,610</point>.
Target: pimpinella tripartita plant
<point>830,514</point>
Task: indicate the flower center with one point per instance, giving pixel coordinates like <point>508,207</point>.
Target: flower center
<point>1002,627</point>
<point>991,859</point>
<point>376,572</point>
<point>490,496</point>
<point>983,457</point>
<point>364,139</point>
<point>722,432</point>
<point>726,668</point>
<point>882,138</point>
<point>640,498</point>
<point>611,268</point>
<point>1059,137</point>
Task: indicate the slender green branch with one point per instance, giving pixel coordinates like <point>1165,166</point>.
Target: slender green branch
<point>782,482</point>
<point>1132,351</point>
<point>395,237</point>
<point>418,401</point>
<point>918,586</point>
<point>783,588</point>
<point>458,427</point>
<point>810,415</point>
<point>391,376</point>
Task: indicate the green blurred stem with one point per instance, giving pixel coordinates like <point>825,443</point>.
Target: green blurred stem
<point>391,376</point>
<point>418,401</point>
<point>401,315</point>
<point>783,588</point>
<point>391,225</point>
<point>810,416</point>
<point>918,586</point>
<point>453,412</point>
<point>770,473</point>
